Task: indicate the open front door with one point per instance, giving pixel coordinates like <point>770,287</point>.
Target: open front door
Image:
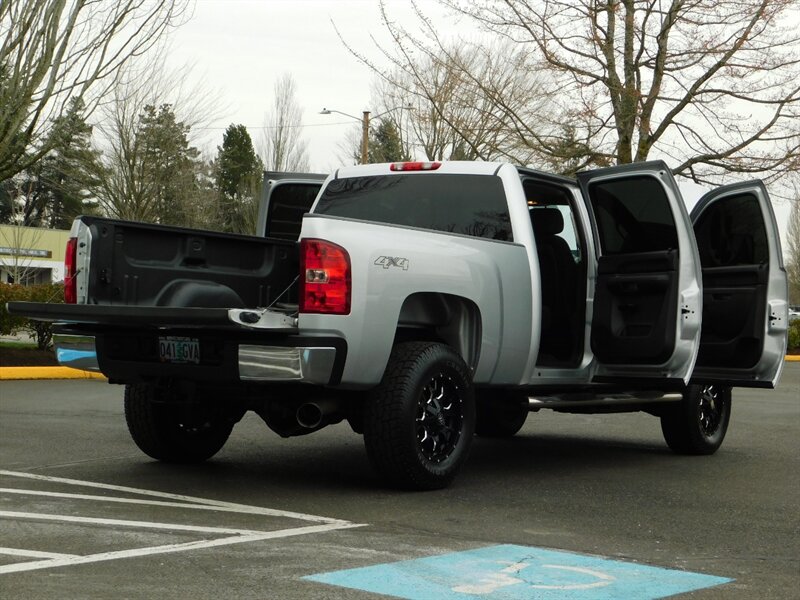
<point>745,311</point>
<point>646,311</point>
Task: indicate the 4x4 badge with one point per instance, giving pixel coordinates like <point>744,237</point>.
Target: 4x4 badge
<point>392,261</point>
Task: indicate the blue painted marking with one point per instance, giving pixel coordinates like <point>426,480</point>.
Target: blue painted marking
<point>68,355</point>
<point>518,573</point>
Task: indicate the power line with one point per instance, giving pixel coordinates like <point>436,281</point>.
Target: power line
<point>280,126</point>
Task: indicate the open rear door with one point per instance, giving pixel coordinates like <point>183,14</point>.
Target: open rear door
<point>745,311</point>
<point>285,198</point>
<point>646,310</point>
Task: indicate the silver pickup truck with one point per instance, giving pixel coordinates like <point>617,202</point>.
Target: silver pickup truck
<point>428,302</point>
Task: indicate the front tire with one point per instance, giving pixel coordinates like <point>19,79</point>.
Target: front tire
<point>419,421</point>
<point>168,431</point>
<point>698,424</point>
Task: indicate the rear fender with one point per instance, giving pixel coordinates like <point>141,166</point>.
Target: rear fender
<point>454,320</point>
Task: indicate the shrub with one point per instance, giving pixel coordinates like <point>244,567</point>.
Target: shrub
<point>41,331</point>
<point>794,335</point>
<point>9,325</point>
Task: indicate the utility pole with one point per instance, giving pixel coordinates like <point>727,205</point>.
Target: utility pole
<point>365,138</point>
<point>364,127</point>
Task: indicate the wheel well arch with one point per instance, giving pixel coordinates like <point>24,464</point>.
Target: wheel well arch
<point>435,316</point>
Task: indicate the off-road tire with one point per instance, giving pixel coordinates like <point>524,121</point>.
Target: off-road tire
<point>500,414</point>
<point>159,430</point>
<point>697,425</point>
<point>419,421</point>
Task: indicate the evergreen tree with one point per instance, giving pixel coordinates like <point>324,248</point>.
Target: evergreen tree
<point>51,191</point>
<point>168,162</point>
<point>385,144</point>
<point>150,171</point>
<point>239,171</point>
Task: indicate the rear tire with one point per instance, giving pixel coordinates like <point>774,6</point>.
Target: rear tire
<point>500,414</point>
<point>169,431</point>
<point>419,421</point>
<point>697,425</point>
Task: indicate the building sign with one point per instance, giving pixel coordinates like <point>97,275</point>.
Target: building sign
<point>31,252</point>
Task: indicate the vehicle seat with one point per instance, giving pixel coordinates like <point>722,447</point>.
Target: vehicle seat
<point>559,287</point>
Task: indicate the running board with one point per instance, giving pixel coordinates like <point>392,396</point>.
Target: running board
<point>580,400</point>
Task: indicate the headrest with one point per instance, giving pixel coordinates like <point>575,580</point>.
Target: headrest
<point>547,221</point>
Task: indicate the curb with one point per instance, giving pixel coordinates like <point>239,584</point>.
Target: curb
<point>22,373</point>
<point>16,373</point>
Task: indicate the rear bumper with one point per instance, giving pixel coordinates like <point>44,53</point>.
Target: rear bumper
<point>76,352</point>
<point>287,363</point>
<point>129,357</point>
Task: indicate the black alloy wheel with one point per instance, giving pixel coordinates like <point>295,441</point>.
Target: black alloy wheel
<point>698,424</point>
<point>419,421</point>
<point>440,418</point>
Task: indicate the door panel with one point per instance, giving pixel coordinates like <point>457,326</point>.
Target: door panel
<point>646,311</point>
<point>634,308</point>
<point>743,334</point>
<point>731,335</point>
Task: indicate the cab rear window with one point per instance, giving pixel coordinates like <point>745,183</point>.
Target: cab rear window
<point>472,205</point>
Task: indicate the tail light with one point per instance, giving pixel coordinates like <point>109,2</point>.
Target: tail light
<point>324,278</point>
<point>71,272</point>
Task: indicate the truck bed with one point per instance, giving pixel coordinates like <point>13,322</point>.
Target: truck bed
<point>138,264</point>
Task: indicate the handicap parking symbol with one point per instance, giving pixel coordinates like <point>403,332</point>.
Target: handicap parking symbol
<point>510,572</point>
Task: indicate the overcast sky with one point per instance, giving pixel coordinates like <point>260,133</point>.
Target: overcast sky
<point>241,47</point>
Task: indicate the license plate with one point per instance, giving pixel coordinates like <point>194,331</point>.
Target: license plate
<point>179,350</point>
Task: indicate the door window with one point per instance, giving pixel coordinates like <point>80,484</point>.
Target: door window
<point>288,202</point>
<point>633,215</point>
<point>732,233</point>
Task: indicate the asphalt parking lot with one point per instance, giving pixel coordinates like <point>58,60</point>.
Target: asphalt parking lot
<point>566,509</point>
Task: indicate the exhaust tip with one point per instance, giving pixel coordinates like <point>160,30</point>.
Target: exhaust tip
<point>309,415</point>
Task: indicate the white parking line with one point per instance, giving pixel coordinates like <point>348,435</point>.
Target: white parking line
<point>117,499</point>
<point>230,536</point>
<point>124,523</point>
<point>34,553</point>
<point>239,539</point>
<point>243,508</point>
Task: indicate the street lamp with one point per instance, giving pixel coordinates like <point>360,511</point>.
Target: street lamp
<point>364,130</point>
<point>364,127</point>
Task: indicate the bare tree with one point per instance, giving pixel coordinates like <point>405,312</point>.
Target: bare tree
<point>486,99</point>
<point>152,111</point>
<point>712,84</point>
<point>281,145</point>
<point>18,242</point>
<point>793,251</point>
<point>474,102</point>
<point>54,52</point>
